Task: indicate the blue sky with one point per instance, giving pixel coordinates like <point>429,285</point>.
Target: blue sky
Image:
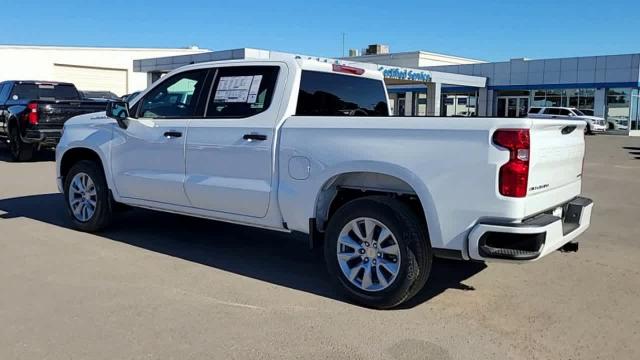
<point>482,29</point>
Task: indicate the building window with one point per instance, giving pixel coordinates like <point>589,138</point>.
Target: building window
<point>459,105</point>
<point>554,97</point>
<point>586,99</point>
<point>582,99</point>
<point>618,108</point>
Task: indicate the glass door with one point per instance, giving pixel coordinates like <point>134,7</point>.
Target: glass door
<point>512,106</point>
<point>523,107</point>
<point>501,110</point>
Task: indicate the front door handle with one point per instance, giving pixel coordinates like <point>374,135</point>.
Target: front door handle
<point>258,137</point>
<point>172,134</point>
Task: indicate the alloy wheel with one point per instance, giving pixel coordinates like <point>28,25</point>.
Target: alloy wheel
<point>368,254</point>
<point>82,197</point>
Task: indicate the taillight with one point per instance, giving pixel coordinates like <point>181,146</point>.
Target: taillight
<point>32,113</point>
<point>348,69</point>
<point>514,175</point>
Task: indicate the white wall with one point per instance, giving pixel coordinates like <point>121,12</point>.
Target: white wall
<point>37,62</point>
<point>413,59</point>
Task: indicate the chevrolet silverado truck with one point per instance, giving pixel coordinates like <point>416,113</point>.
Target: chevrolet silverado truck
<point>300,145</point>
<point>32,114</point>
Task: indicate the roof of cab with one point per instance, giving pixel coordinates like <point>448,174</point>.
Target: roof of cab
<point>302,62</point>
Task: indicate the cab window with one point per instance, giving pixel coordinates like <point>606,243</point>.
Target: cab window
<point>175,97</point>
<point>242,91</point>
<point>330,94</point>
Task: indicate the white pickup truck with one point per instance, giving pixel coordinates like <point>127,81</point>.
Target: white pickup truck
<point>301,145</point>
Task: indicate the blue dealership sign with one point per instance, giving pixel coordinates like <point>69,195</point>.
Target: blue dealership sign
<point>405,74</point>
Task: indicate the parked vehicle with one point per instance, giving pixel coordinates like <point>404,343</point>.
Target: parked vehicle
<point>299,145</point>
<point>618,123</point>
<point>32,114</point>
<point>594,123</point>
<point>99,95</point>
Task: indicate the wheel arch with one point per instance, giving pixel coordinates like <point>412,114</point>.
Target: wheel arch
<point>344,186</point>
<point>73,155</point>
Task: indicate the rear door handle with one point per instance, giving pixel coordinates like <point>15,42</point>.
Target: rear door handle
<point>258,137</point>
<point>172,134</point>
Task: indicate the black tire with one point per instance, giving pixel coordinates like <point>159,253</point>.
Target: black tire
<point>415,250</point>
<point>20,151</point>
<point>103,212</point>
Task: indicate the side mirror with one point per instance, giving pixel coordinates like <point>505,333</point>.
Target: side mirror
<point>118,110</point>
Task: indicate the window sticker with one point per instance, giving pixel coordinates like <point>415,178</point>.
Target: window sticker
<point>253,90</point>
<point>238,89</point>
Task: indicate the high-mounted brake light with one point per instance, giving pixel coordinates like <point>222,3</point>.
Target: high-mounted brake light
<point>514,175</point>
<point>32,113</point>
<point>348,69</point>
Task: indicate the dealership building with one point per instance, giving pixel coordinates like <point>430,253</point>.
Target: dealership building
<point>420,83</point>
<point>429,84</point>
<point>606,86</point>
<point>89,68</point>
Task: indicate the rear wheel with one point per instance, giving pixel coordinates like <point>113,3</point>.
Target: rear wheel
<point>87,197</point>
<point>20,151</point>
<point>377,252</point>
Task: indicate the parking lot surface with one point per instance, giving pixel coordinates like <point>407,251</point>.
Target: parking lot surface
<point>162,286</point>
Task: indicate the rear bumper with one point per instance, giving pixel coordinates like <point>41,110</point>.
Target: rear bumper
<point>43,137</point>
<point>533,238</point>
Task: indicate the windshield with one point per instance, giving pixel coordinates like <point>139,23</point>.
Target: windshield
<point>578,112</point>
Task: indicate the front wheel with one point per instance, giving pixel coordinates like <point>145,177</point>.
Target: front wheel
<point>87,197</point>
<point>377,252</point>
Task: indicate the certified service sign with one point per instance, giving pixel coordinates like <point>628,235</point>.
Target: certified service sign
<point>405,74</point>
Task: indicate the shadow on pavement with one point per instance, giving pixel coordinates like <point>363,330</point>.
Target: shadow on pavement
<point>42,155</point>
<point>278,258</point>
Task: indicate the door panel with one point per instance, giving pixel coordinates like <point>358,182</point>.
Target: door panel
<point>228,167</point>
<point>148,158</point>
<point>148,165</point>
<point>226,172</point>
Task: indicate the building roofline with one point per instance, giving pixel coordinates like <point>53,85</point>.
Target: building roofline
<point>56,47</point>
<point>420,52</point>
<point>525,59</point>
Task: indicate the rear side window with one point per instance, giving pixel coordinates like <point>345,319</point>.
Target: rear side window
<point>534,110</point>
<point>44,92</point>
<point>329,94</point>
<point>242,91</point>
<point>552,111</point>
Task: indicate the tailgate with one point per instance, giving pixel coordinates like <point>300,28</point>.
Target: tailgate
<point>556,159</point>
<point>55,113</point>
